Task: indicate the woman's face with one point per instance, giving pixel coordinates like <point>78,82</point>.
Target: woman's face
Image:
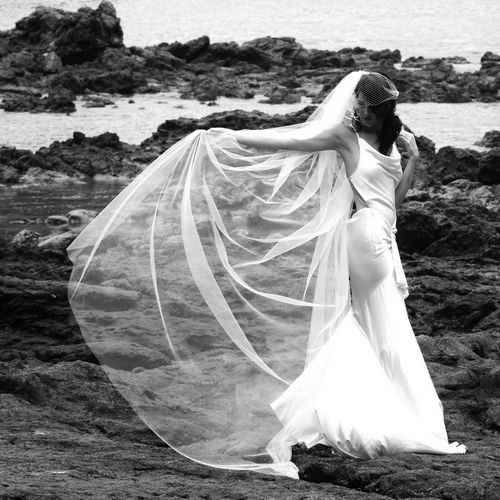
<point>367,118</point>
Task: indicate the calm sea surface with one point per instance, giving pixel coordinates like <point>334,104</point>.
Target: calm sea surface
<point>446,124</point>
<point>417,27</point>
<point>136,119</point>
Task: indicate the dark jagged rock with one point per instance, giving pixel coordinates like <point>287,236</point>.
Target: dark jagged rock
<point>117,59</point>
<point>189,50</point>
<point>58,100</point>
<point>172,130</point>
<point>22,63</point>
<point>15,163</point>
<point>365,58</point>
<point>459,218</point>
<point>49,41</point>
<point>75,37</point>
<point>83,51</point>
<point>209,87</point>
<point>455,163</point>
<point>489,167</point>
<point>68,80</point>
<point>491,139</point>
<point>230,54</point>
<point>79,157</point>
<point>96,101</point>
<point>431,62</point>
<point>51,62</point>
<point>279,50</point>
<point>159,57</point>
<point>85,38</point>
<point>456,60</point>
<point>490,63</point>
<point>102,154</point>
<point>279,94</point>
<point>394,56</point>
<point>123,81</point>
<point>25,239</point>
<point>426,62</point>
<point>463,191</point>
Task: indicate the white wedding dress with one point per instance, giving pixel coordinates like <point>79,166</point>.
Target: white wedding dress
<point>237,306</point>
<point>368,391</point>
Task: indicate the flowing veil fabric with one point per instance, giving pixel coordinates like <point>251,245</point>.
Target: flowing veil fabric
<point>209,283</point>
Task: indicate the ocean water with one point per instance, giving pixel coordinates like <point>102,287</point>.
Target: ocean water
<point>468,29</point>
<point>430,28</point>
<point>132,118</point>
<point>135,119</point>
<point>447,124</point>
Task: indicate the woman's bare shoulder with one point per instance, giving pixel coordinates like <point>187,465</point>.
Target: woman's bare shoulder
<point>343,135</point>
<point>347,145</point>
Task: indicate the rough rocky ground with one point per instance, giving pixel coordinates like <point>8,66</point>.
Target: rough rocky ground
<point>66,432</point>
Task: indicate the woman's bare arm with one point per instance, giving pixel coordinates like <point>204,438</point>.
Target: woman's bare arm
<point>408,175</point>
<point>307,138</point>
<point>406,181</point>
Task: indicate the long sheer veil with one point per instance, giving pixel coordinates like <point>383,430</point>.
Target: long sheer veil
<point>212,279</point>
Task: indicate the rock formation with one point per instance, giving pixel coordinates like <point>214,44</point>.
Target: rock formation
<point>83,52</point>
<point>58,407</point>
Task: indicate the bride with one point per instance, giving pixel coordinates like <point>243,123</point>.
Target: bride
<point>193,289</point>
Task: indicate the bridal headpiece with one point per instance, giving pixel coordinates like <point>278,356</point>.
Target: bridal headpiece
<point>377,88</point>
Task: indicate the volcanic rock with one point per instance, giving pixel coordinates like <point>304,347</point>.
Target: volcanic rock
<point>489,167</point>
<point>455,163</point>
<point>189,50</point>
<point>491,139</point>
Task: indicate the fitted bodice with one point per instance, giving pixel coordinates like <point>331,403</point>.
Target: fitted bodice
<point>375,179</point>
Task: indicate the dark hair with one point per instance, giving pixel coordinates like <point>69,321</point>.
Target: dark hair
<point>391,123</point>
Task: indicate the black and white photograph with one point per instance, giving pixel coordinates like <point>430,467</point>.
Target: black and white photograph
<point>250,249</point>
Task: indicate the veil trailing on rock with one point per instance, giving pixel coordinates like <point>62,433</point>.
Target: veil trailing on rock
<point>210,281</point>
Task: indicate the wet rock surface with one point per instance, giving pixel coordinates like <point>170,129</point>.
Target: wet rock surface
<point>83,52</point>
<point>83,157</point>
<point>57,101</point>
<point>59,408</point>
<point>80,157</point>
<point>490,139</point>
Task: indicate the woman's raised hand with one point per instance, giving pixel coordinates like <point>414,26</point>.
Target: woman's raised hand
<point>409,143</point>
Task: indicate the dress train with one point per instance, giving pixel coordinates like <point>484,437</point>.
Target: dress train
<point>368,391</point>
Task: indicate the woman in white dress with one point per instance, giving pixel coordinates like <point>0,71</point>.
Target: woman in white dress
<point>396,408</point>
<point>235,393</point>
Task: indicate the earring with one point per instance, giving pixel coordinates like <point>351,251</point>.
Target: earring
<point>355,119</point>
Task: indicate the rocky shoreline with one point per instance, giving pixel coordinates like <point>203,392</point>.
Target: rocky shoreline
<point>52,56</point>
<point>84,158</point>
<point>449,236</point>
